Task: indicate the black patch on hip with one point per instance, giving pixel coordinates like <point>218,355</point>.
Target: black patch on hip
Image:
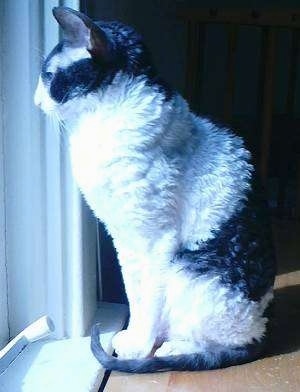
<point>241,254</point>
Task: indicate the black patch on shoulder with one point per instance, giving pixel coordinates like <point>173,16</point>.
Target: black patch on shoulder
<point>241,253</point>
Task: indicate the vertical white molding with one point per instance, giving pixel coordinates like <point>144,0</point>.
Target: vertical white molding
<point>51,235</point>
<point>24,240</point>
<point>80,224</point>
<point>55,233</point>
<point>72,263</point>
<point>4,332</point>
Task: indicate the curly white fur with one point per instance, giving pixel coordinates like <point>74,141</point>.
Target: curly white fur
<point>161,179</point>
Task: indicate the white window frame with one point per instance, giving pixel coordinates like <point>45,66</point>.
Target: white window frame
<point>4,331</point>
<point>47,258</point>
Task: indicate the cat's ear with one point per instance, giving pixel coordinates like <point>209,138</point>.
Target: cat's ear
<point>80,31</point>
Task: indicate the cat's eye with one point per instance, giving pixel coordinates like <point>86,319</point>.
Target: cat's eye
<point>48,76</point>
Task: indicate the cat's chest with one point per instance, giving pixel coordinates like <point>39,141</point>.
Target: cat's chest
<point>90,159</point>
<point>95,147</point>
<point>106,165</point>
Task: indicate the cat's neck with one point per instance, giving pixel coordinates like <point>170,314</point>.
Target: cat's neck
<point>131,115</point>
<point>131,101</point>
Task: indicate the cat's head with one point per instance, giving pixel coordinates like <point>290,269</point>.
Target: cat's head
<point>88,58</point>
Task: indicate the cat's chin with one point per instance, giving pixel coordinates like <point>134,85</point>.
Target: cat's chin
<point>49,110</point>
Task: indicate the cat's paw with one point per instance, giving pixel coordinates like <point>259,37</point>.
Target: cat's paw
<point>176,347</point>
<point>129,344</point>
<point>168,348</point>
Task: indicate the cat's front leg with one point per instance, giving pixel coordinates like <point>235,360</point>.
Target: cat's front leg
<point>144,328</point>
<point>134,342</point>
<point>144,279</point>
<point>131,273</point>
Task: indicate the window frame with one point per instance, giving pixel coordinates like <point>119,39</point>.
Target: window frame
<point>48,260</point>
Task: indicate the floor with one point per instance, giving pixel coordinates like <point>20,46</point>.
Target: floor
<point>279,372</point>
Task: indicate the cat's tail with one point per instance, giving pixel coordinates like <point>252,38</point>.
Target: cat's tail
<point>220,358</point>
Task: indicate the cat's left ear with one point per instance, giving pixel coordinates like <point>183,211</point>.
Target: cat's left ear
<point>80,31</point>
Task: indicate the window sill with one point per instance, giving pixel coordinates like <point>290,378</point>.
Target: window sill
<point>64,365</point>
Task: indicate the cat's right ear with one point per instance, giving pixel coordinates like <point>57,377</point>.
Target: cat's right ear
<point>80,31</point>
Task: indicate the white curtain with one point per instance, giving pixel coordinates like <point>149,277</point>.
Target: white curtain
<point>48,236</point>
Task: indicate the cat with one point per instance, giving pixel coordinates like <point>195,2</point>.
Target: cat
<point>177,194</point>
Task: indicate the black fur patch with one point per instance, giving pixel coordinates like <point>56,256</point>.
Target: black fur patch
<point>129,55</point>
<point>241,253</point>
<point>78,79</point>
<point>132,56</point>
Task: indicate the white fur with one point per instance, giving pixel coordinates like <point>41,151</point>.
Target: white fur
<point>68,56</point>
<point>161,179</point>
<point>216,313</point>
<point>42,98</point>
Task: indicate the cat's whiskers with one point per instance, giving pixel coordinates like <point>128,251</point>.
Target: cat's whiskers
<point>56,124</point>
<point>62,129</point>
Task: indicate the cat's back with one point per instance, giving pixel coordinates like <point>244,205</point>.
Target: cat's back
<point>217,178</point>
